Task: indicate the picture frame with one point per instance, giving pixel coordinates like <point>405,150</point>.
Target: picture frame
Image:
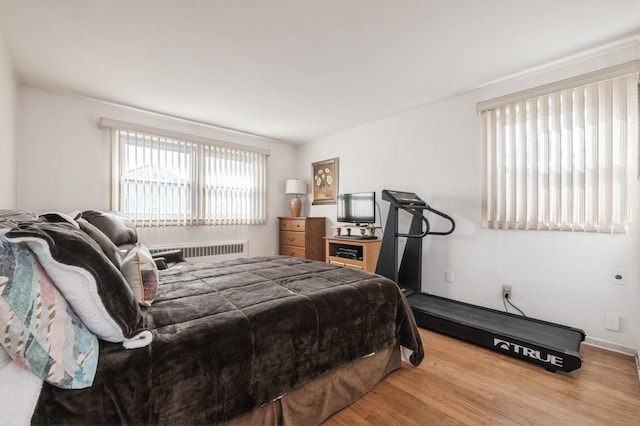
<point>324,181</point>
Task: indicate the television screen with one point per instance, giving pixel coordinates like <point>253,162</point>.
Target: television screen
<point>358,208</point>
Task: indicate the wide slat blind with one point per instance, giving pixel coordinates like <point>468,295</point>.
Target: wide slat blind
<point>560,160</point>
<point>165,181</point>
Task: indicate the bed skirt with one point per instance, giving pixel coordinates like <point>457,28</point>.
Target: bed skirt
<point>315,401</point>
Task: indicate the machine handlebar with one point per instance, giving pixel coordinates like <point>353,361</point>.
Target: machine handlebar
<point>446,216</point>
<point>424,220</point>
<point>413,204</point>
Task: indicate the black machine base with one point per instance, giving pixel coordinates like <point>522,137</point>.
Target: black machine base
<point>552,346</point>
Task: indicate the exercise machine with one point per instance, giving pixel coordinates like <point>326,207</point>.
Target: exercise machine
<point>552,346</point>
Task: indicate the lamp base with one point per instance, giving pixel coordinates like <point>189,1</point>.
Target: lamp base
<point>295,206</point>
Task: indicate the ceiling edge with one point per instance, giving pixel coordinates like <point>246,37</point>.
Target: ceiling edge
<point>622,43</point>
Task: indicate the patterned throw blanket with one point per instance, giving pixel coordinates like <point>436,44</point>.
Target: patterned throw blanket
<point>234,335</point>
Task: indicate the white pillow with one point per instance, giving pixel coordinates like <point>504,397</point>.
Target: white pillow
<point>141,273</point>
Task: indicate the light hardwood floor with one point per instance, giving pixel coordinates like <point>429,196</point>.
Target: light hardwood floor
<point>460,383</point>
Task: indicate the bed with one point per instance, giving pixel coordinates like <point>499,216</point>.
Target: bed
<point>266,340</point>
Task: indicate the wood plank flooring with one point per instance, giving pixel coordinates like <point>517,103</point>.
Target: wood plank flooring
<point>460,383</point>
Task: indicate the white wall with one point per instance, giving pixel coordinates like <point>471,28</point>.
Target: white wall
<point>8,128</point>
<point>64,165</point>
<point>436,151</point>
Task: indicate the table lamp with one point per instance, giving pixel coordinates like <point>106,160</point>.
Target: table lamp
<point>295,187</point>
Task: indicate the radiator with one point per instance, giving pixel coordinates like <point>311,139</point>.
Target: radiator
<point>214,252</point>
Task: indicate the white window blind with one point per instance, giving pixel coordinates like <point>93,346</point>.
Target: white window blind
<point>165,180</point>
<point>559,157</point>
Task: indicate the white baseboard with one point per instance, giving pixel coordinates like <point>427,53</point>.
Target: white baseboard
<point>610,346</point>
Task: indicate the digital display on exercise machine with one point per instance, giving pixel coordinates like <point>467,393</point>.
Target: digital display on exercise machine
<point>403,198</point>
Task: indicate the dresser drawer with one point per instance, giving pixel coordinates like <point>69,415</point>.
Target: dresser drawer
<point>292,238</point>
<point>298,225</point>
<point>302,237</point>
<point>292,251</point>
<point>353,266</point>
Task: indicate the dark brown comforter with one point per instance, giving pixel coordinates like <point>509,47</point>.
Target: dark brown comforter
<point>232,336</point>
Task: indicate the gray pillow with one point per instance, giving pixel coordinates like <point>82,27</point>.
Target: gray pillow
<point>107,246</point>
<point>11,218</point>
<point>118,227</point>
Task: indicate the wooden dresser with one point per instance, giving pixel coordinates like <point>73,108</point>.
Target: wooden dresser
<point>302,237</point>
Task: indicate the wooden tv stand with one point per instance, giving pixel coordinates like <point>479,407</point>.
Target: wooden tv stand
<point>367,251</point>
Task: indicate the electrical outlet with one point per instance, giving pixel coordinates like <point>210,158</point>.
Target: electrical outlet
<point>506,291</point>
<point>612,322</point>
<point>448,276</point>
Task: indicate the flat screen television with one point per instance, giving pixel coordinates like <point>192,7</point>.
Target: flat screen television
<point>358,208</point>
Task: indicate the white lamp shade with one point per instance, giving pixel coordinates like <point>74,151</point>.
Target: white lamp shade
<point>295,186</point>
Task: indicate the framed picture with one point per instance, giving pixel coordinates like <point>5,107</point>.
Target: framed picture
<point>325,181</point>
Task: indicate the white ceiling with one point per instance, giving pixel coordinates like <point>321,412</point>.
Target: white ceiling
<point>295,70</point>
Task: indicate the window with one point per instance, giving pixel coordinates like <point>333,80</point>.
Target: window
<point>165,179</point>
<point>558,157</point>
